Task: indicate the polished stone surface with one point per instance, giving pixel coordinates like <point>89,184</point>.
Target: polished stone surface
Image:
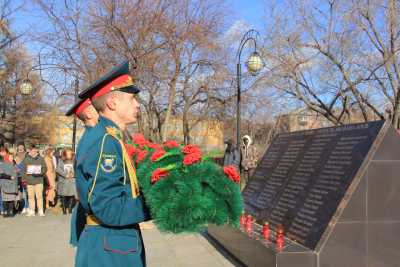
<point>255,251</point>
<point>383,246</point>
<point>356,209</point>
<point>384,191</point>
<point>303,177</point>
<point>346,246</point>
<point>389,148</point>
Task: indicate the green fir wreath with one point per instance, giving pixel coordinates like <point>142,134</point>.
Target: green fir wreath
<point>185,190</point>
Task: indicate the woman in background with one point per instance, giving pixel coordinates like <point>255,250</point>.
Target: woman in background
<point>66,180</point>
<point>18,160</point>
<point>8,184</point>
<point>51,177</point>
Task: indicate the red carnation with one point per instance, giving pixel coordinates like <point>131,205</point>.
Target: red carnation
<point>130,149</point>
<point>232,173</point>
<point>171,144</point>
<point>157,154</point>
<point>140,155</point>
<point>154,146</point>
<point>189,149</point>
<point>139,140</point>
<point>157,174</point>
<point>189,159</point>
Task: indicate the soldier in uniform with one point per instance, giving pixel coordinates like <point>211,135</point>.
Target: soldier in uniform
<point>83,110</point>
<point>110,194</point>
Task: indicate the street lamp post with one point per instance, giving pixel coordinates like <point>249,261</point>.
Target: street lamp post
<point>254,64</point>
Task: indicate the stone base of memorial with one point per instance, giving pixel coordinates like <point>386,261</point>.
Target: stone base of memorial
<point>335,192</point>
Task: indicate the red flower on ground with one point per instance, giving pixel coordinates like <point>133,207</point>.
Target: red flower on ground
<point>232,173</point>
<point>140,155</point>
<point>189,149</point>
<point>130,149</point>
<point>154,146</point>
<point>171,144</point>
<point>139,140</point>
<point>158,174</point>
<point>157,154</point>
<point>189,159</point>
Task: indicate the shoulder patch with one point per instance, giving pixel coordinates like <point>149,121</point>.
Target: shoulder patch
<point>114,132</point>
<point>108,162</point>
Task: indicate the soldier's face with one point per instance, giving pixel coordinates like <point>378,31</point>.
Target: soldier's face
<point>128,107</point>
<point>90,116</point>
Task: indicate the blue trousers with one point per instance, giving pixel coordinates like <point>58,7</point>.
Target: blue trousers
<point>25,196</point>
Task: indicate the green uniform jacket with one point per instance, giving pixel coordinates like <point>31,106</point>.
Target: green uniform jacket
<point>117,240</point>
<point>33,179</point>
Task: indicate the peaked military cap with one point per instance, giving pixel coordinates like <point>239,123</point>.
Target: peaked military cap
<point>78,107</point>
<point>117,78</point>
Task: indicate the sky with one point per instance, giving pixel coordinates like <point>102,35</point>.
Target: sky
<point>248,13</point>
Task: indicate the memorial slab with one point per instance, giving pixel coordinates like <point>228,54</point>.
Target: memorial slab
<point>329,189</point>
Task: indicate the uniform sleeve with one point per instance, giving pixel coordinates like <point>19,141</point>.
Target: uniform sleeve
<point>111,201</point>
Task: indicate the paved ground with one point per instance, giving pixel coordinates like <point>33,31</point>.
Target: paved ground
<point>42,242</point>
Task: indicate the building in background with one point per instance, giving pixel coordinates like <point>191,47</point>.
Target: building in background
<point>57,128</point>
<point>306,119</point>
<point>208,133</point>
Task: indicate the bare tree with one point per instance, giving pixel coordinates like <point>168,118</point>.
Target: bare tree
<point>339,58</point>
<point>17,110</point>
<point>180,65</point>
<point>7,36</point>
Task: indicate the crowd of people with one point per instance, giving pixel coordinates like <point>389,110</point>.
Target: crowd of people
<point>34,180</point>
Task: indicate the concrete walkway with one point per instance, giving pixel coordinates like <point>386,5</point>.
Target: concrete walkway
<point>42,242</point>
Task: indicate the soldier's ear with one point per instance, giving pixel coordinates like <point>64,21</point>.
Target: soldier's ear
<point>89,114</point>
<point>111,102</point>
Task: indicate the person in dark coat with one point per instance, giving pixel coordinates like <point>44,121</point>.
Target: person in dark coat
<point>231,156</point>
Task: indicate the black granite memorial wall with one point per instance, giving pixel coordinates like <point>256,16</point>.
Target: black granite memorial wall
<point>317,185</point>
